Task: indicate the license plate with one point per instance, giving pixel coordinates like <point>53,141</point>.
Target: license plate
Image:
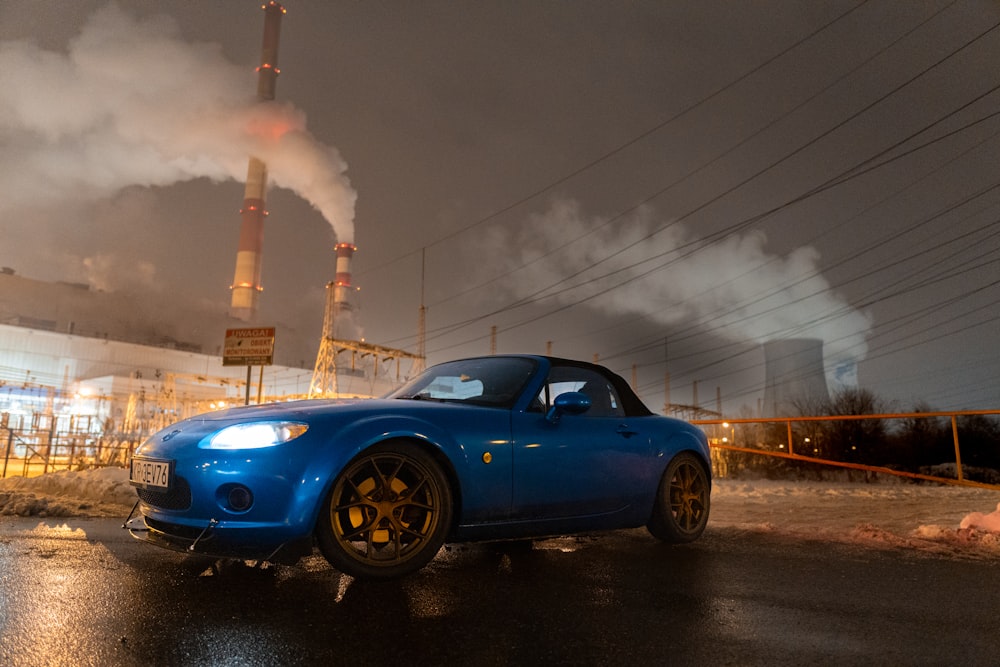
<point>150,473</point>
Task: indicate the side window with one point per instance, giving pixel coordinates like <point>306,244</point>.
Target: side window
<point>604,401</point>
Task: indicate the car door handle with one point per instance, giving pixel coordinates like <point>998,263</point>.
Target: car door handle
<point>623,429</point>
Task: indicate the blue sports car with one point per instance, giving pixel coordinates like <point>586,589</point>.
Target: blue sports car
<point>491,448</point>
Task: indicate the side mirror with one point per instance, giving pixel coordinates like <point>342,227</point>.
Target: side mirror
<point>570,403</point>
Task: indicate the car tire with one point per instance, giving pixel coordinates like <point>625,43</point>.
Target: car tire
<point>387,514</point>
<point>680,511</point>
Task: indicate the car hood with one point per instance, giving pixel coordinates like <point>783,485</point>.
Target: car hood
<point>324,416</point>
<point>315,412</point>
<point>292,410</point>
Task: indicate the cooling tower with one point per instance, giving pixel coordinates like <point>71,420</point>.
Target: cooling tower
<point>793,376</point>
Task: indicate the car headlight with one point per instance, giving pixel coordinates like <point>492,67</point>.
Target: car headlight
<point>254,435</point>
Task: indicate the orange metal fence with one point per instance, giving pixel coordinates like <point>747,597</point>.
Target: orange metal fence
<point>722,442</point>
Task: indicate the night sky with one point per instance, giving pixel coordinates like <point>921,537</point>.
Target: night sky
<point>663,184</point>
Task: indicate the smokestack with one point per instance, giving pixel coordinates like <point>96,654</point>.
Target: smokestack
<point>246,285</point>
<point>793,375</point>
<point>337,318</point>
<point>342,280</point>
<point>267,73</point>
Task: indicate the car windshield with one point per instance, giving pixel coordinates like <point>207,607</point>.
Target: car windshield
<point>493,381</point>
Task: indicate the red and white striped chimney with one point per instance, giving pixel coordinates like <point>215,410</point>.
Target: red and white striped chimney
<point>342,280</point>
<point>246,287</point>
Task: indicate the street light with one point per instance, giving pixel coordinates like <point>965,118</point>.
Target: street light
<point>732,433</point>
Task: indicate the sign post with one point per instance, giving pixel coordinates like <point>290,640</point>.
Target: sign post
<point>249,347</point>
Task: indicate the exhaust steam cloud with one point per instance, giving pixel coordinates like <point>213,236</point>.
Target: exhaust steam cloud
<point>131,103</point>
<point>732,287</point>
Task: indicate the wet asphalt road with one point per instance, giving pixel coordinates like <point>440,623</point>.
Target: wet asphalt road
<point>82,592</point>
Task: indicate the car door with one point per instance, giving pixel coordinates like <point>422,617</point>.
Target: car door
<point>577,465</point>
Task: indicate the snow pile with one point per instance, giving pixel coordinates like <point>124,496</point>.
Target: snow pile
<point>98,492</point>
<point>990,522</point>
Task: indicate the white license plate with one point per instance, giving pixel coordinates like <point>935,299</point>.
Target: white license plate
<point>150,473</point>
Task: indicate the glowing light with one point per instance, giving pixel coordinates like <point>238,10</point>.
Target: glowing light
<point>254,435</point>
<point>271,129</point>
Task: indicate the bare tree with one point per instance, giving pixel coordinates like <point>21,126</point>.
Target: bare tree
<point>856,440</point>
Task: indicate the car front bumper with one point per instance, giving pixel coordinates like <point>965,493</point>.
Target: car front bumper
<point>216,539</point>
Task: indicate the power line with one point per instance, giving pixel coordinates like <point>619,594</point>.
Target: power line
<point>541,293</point>
<point>631,142</point>
<point>726,152</point>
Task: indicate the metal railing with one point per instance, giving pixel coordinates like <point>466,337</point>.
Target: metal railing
<point>795,441</point>
<point>30,452</point>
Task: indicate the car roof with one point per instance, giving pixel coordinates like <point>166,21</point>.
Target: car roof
<point>631,402</point>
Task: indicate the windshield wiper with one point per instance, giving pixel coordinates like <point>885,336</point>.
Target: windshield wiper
<point>423,396</point>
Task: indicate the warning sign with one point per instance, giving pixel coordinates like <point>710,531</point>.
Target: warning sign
<point>248,347</point>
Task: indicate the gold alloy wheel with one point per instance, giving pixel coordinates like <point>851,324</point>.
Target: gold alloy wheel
<point>680,510</point>
<point>386,509</point>
<point>688,494</point>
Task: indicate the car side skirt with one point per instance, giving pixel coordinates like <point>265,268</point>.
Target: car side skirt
<point>618,520</point>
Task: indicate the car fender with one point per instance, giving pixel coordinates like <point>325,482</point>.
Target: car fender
<point>361,434</point>
<point>691,440</point>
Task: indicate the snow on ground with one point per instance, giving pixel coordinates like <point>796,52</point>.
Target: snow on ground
<point>100,492</point>
<point>946,520</point>
<point>949,520</point>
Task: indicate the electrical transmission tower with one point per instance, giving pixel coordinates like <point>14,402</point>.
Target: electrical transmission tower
<point>373,363</point>
<point>324,379</point>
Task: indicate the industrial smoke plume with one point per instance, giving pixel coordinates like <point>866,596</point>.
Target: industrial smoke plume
<point>732,287</point>
<point>131,103</point>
